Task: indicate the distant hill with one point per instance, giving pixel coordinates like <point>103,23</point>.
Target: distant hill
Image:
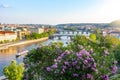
<point>83,24</point>
<point>114,24</point>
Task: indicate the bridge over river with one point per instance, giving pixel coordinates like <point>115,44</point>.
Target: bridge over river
<point>70,34</point>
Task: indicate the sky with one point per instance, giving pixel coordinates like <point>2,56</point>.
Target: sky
<point>58,11</point>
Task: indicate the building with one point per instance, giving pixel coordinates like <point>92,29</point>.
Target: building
<point>7,35</point>
<point>36,30</point>
<point>21,32</point>
<point>115,33</point>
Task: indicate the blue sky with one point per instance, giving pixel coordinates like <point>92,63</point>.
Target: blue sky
<point>58,11</point>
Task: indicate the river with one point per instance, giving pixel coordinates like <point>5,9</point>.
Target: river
<point>7,55</point>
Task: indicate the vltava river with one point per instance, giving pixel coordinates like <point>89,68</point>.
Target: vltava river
<point>6,55</point>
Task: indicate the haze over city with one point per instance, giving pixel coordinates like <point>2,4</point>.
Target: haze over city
<point>58,11</point>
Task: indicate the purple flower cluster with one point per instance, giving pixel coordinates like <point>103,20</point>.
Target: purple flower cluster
<point>104,77</point>
<point>59,51</point>
<point>80,65</point>
<point>38,48</point>
<point>82,61</point>
<point>106,52</point>
<point>87,76</point>
<point>114,68</point>
<point>80,47</point>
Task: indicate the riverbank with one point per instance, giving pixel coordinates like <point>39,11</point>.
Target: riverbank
<point>5,46</point>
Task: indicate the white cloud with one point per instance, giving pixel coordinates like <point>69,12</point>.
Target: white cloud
<point>4,6</point>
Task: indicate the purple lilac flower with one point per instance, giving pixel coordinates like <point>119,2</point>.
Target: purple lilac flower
<point>89,76</point>
<point>59,51</point>
<point>80,47</point>
<point>75,75</point>
<point>106,52</point>
<point>94,65</point>
<point>78,55</point>
<point>62,54</point>
<point>66,63</point>
<point>59,58</point>
<point>106,77</point>
<point>27,76</point>
<point>91,51</point>
<point>70,69</point>
<point>84,52</point>
<point>77,67</point>
<point>54,66</point>
<point>48,69</point>
<point>101,66</point>
<point>101,77</point>
<point>96,71</point>
<point>85,62</point>
<point>114,69</point>
<point>67,52</point>
<point>64,67</point>
<point>74,63</point>
<point>115,62</point>
<point>63,70</point>
<point>38,48</point>
<point>90,59</point>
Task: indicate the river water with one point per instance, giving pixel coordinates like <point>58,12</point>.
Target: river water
<point>7,55</point>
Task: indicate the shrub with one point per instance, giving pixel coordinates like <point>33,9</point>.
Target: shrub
<point>81,66</point>
<point>13,71</point>
<point>82,59</point>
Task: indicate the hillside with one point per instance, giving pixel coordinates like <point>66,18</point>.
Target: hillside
<point>113,24</point>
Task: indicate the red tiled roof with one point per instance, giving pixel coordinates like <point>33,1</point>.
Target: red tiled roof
<point>7,32</point>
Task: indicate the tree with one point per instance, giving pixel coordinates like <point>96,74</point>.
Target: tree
<point>93,36</point>
<point>13,71</point>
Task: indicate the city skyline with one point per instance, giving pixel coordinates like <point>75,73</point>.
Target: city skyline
<point>58,11</point>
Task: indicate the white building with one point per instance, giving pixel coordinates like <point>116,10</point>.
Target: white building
<point>36,30</point>
<point>7,35</point>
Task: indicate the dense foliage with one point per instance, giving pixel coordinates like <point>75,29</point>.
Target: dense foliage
<point>13,71</point>
<point>82,59</point>
<point>117,54</point>
<point>93,36</point>
<point>36,35</point>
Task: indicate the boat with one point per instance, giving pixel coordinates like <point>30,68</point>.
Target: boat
<point>21,53</point>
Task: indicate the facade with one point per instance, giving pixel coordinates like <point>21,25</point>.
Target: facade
<point>7,35</point>
<point>21,32</point>
<point>36,30</point>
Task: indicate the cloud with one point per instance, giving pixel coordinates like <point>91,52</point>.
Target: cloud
<point>4,6</point>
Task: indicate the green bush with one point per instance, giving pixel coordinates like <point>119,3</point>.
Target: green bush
<point>13,71</point>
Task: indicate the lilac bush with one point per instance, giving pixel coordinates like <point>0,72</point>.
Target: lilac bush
<point>79,66</point>
<point>81,60</point>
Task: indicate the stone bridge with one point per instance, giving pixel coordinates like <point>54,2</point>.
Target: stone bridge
<point>70,34</point>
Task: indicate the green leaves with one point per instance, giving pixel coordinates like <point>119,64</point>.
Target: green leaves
<point>93,37</point>
<point>36,35</point>
<point>13,71</point>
